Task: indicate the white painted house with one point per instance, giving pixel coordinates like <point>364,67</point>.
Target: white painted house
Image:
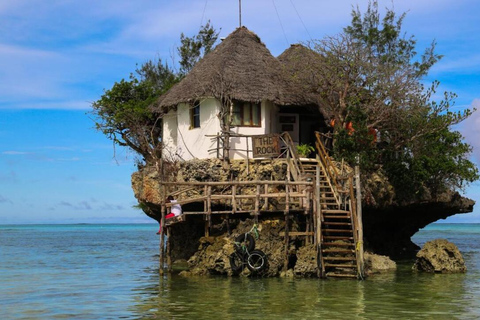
<point>239,77</point>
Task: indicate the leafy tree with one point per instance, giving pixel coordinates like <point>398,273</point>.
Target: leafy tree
<point>372,77</point>
<point>194,48</point>
<point>123,112</point>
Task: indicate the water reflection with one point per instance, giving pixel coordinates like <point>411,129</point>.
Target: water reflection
<point>400,295</point>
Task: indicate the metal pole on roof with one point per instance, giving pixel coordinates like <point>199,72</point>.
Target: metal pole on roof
<point>240,12</point>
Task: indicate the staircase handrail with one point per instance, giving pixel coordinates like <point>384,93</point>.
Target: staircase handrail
<point>292,156</point>
<point>327,163</point>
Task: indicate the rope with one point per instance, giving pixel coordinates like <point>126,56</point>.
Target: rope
<point>359,243</point>
<point>203,14</point>
<point>254,230</point>
<point>281,25</point>
<point>308,33</point>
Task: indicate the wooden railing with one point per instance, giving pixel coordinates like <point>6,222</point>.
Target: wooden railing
<point>293,160</point>
<point>331,172</point>
<point>357,227</point>
<point>232,194</point>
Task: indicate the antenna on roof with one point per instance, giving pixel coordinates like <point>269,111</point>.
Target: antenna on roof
<point>240,12</point>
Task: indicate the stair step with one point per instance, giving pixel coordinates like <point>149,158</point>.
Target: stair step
<point>338,251</point>
<point>338,244</point>
<point>335,211</point>
<point>338,237</point>
<point>327,192</point>
<point>339,259</point>
<point>338,230</point>
<point>336,217</point>
<point>341,275</point>
<point>339,265</point>
<point>336,223</point>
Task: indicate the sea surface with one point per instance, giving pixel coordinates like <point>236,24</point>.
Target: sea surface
<point>111,272</point>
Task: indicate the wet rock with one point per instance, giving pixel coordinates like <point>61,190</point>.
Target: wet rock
<point>287,274</point>
<point>306,265</point>
<point>212,255</point>
<point>375,263</point>
<point>440,256</point>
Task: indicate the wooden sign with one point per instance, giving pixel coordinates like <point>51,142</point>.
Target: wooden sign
<point>266,146</point>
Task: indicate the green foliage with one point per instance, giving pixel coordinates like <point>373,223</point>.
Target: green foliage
<point>194,48</point>
<point>123,115</point>
<point>123,112</point>
<point>436,164</point>
<point>304,150</point>
<point>374,80</point>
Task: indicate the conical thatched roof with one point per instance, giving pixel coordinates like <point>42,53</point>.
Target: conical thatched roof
<point>240,68</point>
<point>302,65</point>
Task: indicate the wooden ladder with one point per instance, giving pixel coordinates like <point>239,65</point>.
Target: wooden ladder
<point>338,237</point>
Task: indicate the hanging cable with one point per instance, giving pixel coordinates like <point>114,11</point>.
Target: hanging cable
<point>281,25</point>
<point>299,17</point>
<point>203,14</point>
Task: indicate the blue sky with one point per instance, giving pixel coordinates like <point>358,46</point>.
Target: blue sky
<point>57,56</point>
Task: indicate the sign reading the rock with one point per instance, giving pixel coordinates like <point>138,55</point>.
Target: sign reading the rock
<point>265,146</point>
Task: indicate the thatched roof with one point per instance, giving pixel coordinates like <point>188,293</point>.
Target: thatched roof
<point>301,64</point>
<point>241,68</point>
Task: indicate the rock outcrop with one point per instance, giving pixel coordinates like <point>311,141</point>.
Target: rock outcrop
<point>375,263</point>
<point>440,256</point>
<point>388,226</point>
<point>388,230</point>
<point>212,255</point>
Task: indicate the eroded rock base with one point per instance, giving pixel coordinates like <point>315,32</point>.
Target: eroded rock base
<point>440,256</point>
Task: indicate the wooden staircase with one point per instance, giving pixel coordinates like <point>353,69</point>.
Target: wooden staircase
<point>340,249</point>
<point>339,234</point>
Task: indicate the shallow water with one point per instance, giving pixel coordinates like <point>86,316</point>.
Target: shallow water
<point>111,272</point>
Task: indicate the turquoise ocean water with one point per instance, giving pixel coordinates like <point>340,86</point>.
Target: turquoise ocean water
<point>111,272</point>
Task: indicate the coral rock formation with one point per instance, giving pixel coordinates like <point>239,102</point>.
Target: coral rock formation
<point>440,256</point>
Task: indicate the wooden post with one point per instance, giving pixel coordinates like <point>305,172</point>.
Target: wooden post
<point>205,193</point>
<point>162,240</point>
<point>359,220</point>
<point>318,218</point>
<point>169,250</point>
<point>248,161</point>
<point>234,199</point>
<point>265,204</point>
<point>209,212</point>
<point>218,145</point>
<point>287,241</point>
<point>287,198</point>
<point>257,203</point>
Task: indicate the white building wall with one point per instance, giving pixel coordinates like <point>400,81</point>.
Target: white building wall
<point>188,143</point>
<point>169,136</point>
<point>192,142</point>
